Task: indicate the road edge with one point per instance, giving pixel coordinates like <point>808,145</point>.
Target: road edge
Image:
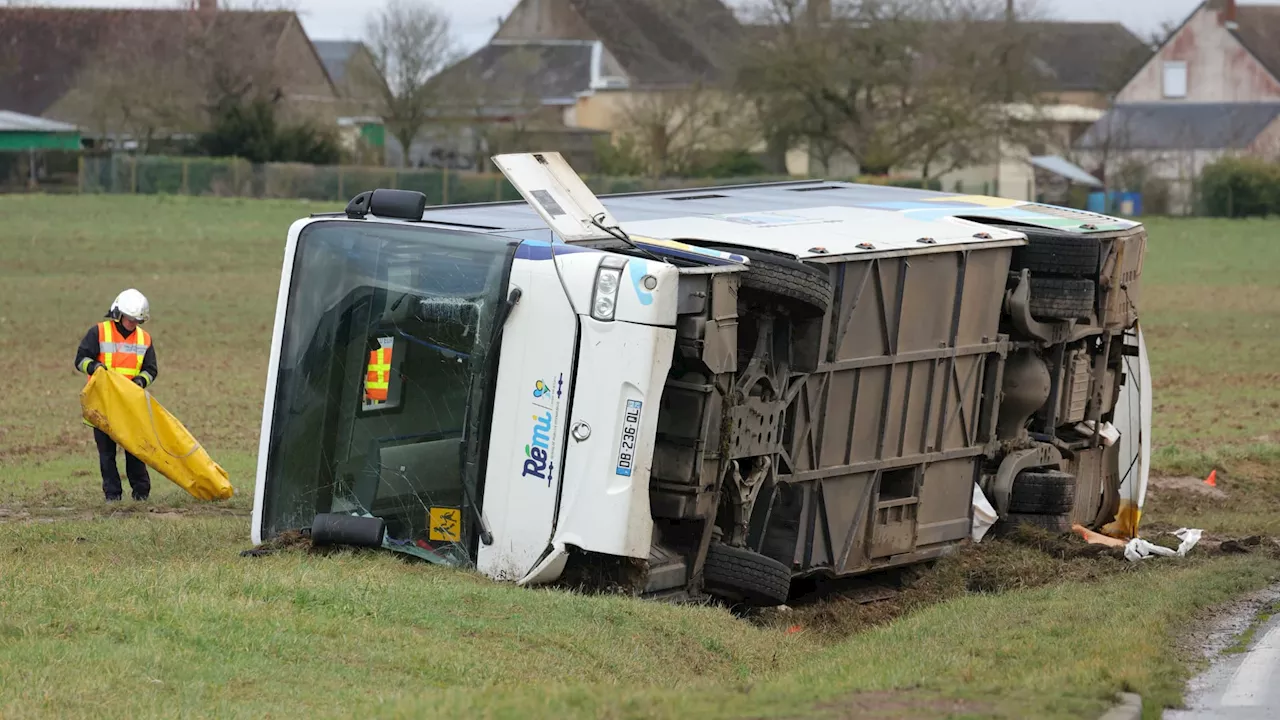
<point>1128,707</point>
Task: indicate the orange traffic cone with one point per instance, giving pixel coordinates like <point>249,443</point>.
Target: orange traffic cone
<point>1212,480</point>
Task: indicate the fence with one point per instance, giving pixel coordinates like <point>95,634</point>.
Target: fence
<point>232,177</point>
<point>239,178</point>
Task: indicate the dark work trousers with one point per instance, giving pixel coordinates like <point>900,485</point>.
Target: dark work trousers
<point>135,469</point>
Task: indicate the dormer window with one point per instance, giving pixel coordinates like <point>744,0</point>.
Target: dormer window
<point>600,80</point>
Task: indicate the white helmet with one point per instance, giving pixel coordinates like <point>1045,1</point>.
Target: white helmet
<point>131,303</point>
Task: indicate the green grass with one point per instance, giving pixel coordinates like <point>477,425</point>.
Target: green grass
<point>210,268</point>
<point>1211,308</point>
<point>121,612</point>
<point>128,617</point>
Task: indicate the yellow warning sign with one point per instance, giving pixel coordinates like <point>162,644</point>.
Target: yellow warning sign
<point>444,524</point>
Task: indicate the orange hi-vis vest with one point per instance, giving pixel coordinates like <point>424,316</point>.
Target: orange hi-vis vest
<point>378,376</point>
<point>119,353</point>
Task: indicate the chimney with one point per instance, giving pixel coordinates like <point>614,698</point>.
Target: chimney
<point>1228,14</point>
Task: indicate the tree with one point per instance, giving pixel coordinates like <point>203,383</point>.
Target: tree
<point>492,116</point>
<point>125,93</point>
<point>164,73</point>
<point>681,131</point>
<point>889,82</point>
<point>410,42</point>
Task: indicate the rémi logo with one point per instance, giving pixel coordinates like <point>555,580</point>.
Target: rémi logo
<point>538,450</point>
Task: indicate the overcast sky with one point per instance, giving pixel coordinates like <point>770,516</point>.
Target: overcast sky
<point>475,20</point>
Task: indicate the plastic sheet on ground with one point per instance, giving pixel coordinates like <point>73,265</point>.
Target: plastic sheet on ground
<point>984,515</point>
<point>1139,549</point>
<point>133,418</point>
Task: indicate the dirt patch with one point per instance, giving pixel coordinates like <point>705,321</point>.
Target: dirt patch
<point>1025,558</point>
<point>897,704</point>
<point>589,574</point>
<point>1215,630</point>
<point>291,541</point>
<point>13,515</point>
<point>1252,545</point>
<point>1193,485</point>
<point>45,512</point>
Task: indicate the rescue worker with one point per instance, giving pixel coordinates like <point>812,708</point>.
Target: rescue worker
<point>118,344</point>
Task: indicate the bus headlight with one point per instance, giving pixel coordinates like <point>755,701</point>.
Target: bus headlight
<point>604,298</point>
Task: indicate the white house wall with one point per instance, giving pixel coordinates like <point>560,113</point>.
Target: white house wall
<point>1219,68</point>
<point>1179,168</point>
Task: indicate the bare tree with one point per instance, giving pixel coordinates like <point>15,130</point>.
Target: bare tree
<point>890,82</point>
<point>410,42</point>
<point>674,129</point>
<point>496,106</point>
<point>156,74</point>
<point>125,93</point>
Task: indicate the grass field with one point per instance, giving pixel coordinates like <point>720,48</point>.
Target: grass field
<point>149,610</point>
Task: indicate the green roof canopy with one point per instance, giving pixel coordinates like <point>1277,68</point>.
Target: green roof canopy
<point>27,132</point>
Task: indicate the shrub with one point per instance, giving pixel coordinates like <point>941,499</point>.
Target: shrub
<point>252,131</point>
<point>1240,187</point>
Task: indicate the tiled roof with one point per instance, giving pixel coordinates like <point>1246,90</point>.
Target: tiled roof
<point>1180,126</point>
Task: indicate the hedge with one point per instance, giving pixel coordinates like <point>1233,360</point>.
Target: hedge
<point>1240,187</point>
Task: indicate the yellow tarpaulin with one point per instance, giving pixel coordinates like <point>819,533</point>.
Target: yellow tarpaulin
<point>126,412</point>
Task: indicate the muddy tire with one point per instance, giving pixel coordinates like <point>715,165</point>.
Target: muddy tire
<point>742,576</point>
<point>1058,254</point>
<point>1052,523</point>
<point>808,286</point>
<point>1047,492</point>
<point>1055,298</point>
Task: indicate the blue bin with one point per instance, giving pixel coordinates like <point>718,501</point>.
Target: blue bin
<point>1116,202</point>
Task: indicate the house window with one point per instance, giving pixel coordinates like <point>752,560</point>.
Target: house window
<point>1175,79</point>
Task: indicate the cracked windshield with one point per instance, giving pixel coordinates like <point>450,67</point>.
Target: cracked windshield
<point>386,341</point>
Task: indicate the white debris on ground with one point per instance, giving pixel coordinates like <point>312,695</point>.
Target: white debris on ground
<point>1139,549</point>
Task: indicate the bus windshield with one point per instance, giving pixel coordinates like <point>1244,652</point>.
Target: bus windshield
<point>385,340</point>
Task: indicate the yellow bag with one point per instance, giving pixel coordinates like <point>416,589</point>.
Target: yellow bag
<point>127,413</point>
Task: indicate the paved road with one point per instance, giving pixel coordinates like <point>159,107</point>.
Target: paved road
<point>1239,687</point>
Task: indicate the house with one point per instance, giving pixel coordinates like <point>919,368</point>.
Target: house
<point>140,76</point>
<point>1211,90</point>
<point>1079,67</point>
<point>573,71</point>
<point>355,75</point>
<point>361,90</point>
<point>1083,64</point>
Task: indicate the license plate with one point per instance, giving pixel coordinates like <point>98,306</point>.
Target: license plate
<point>630,431</point>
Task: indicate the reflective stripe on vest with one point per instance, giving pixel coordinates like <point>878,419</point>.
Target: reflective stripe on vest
<point>378,376</point>
<point>122,354</point>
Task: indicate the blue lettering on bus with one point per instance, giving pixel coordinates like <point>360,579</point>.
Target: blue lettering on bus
<point>538,451</point>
